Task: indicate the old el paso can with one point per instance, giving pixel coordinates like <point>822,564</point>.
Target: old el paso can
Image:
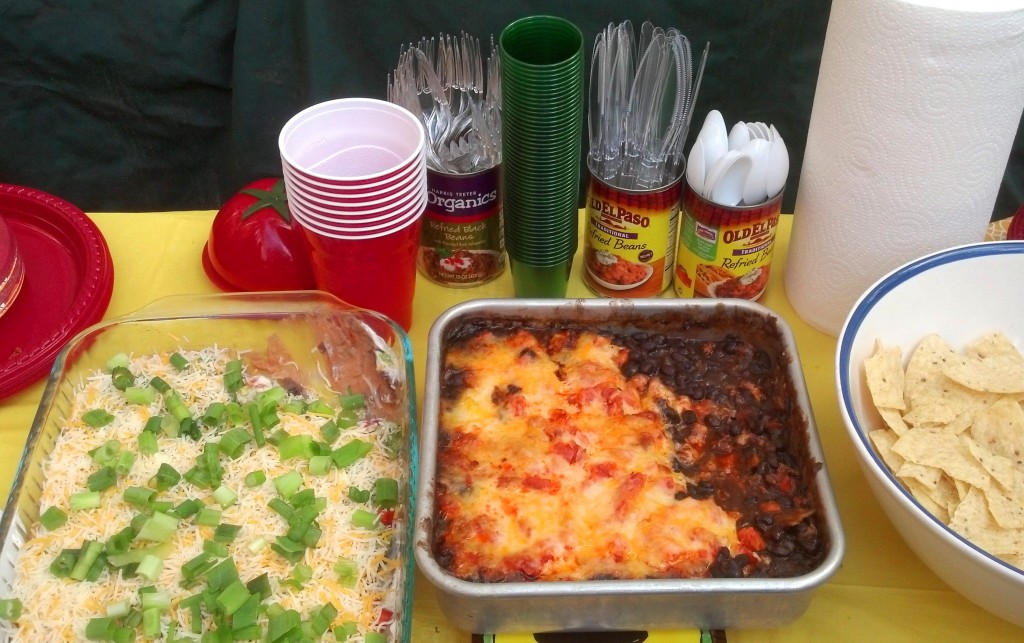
<point>725,251</point>
<point>630,239</point>
<point>462,239</point>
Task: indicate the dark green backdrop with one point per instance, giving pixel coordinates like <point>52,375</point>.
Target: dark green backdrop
<point>173,104</point>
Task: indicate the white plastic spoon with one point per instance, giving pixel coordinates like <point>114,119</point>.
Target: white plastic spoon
<point>778,165</point>
<point>714,139</point>
<point>725,181</point>
<point>695,167</point>
<point>754,189</point>
<point>739,135</point>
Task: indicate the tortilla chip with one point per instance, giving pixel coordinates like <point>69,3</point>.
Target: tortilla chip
<point>992,344</point>
<point>928,476</point>
<point>893,419</point>
<point>999,467</point>
<point>944,451</point>
<point>1000,373</point>
<point>973,521</point>
<point>1006,508</point>
<point>932,411</point>
<point>924,376</point>
<point>884,374</point>
<point>883,440</point>
<point>938,509</point>
<point>1000,429</point>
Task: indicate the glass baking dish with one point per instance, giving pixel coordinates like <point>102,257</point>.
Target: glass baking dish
<point>335,347</point>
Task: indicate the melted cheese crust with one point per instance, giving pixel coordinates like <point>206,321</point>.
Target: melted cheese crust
<point>554,466</point>
<point>58,609</point>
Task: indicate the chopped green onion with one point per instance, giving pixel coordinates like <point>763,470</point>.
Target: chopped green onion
<point>102,479</point>
<point>321,617</point>
<point>97,418</point>
<point>260,586</point>
<point>385,493</point>
<point>155,598</point>
<point>234,415</point>
<point>363,519</point>
<point>224,496</point>
<point>118,609</point>
<point>347,571</point>
<point>53,518</point>
<point>151,622</point>
<point>119,359</point>
<point>282,508</point>
<point>295,407</point>
<point>233,376</point>
<point>232,597</point>
<point>64,562</point>
<point>214,415</point>
<point>375,637</point>
<point>226,532</point>
<point>178,361</point>
<point>10,609</point>
<point>190,429</point>
<point>330,431</point>
<point>270,398</point>
<point>216,549</point>
<point>121,378</point>
<point>88,555</point>
<point>288,483</point>
<point>257,425</point>
<point>197,566</point>
<point>350,452</point>
<point>347,419</point>
<point>149,567</point>
<point>188,507</point>
<point>345,630</point>
<point>282,624</point>
<point>124,463</point>
<point>139,496</point>
<point>255,478</point>
<point>141,395</point>
<point>320,465</point>
<point>100,628</point>
<point>170,425</point>
<point>319,407</point>
<point>221,575</point>
<point>153,424</point>
<point>301,574</point>
<point>83,500</point>
<point>352,401</point>
<point>160,384</point>
<point>232,443</point>
<point>257,544</point>
<point>159,527</point>
<point>355,494</point>
<point>165,478</point>
<point>176,406</point>
<point>163,506</point>
<point>208,516</point>
<point>296,446</point>
<point>121,542</point>
<point>106,452</point>
<point>148,443</point>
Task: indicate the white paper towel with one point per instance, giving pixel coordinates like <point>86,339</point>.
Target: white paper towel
<point>914,116</point>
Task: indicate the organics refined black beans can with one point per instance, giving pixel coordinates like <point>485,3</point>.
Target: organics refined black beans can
<point>462,239</point>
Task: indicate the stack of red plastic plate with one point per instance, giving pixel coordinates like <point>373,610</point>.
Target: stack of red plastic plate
<point>68,279</point>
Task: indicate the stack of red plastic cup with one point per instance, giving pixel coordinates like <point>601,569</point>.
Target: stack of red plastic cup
<point>356,176</point>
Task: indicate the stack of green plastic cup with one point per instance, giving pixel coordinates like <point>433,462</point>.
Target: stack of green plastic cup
<point>542,127</point>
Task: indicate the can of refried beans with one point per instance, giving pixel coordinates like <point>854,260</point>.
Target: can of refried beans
<point>630,239</point>
<point>462,239</point>
<point>725,251</point>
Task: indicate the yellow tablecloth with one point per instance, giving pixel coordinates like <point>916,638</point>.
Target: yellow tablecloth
<point>881,593</point>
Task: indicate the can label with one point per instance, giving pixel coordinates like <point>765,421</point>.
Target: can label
<point>630,243</point>
<point>725,251</point>
<point>462,240</point>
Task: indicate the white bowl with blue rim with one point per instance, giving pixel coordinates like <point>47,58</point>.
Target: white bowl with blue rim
<point>960,294</point>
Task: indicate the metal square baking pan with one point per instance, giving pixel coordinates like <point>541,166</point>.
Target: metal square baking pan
<point>640,604</point>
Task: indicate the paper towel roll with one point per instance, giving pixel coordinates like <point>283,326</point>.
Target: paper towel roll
<point>914,116</point>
